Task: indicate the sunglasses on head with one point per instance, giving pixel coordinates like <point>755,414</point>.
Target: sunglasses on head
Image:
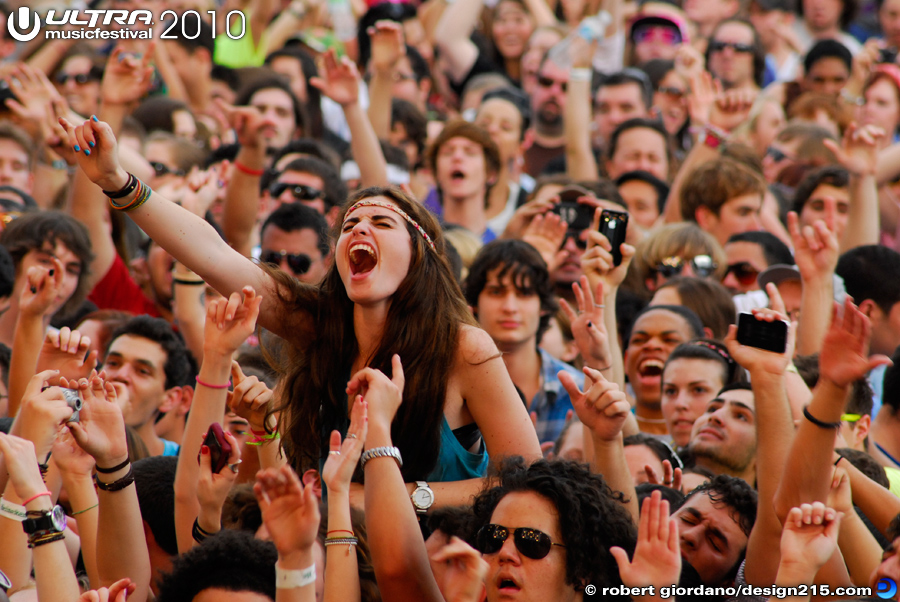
<point>298,262</point>
<point>531,543</point>
<point>161,169</point>
<point>300,192</point>
<point>80,78</point>
<point>662,33</point>
<point>702,265</point>
<point>718,46</point>
<point>745,273</point>
<point>548,82</point>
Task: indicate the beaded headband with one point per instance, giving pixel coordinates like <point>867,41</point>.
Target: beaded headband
<point>398,211</point>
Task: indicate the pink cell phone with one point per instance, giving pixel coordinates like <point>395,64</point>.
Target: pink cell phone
<point>219,447</point>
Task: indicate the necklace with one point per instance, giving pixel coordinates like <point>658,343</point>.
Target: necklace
<point>886,454</point>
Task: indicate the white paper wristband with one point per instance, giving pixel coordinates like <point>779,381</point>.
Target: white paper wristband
<point>290,579</point>
<point>12,511</point>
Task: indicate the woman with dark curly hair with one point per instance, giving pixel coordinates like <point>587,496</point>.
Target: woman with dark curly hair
<point>546,530</point>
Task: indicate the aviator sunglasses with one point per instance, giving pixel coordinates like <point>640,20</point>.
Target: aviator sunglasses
<point>298,262</point>
<point>703,266</point>
<point>745,273</point>
<point>531,543</point>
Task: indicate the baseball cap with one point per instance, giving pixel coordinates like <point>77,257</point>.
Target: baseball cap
<point>659,19</point>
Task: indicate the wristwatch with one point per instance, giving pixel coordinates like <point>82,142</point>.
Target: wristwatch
<point>422,498</point>
<point>47,521</point>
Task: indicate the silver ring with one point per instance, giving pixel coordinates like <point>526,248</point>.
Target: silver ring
<point>351,436</point>
<point>334,453</point>
<point>600,305</point>
<point>234,467</point>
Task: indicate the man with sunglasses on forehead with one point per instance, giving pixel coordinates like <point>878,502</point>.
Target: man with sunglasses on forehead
<point>295,238</point>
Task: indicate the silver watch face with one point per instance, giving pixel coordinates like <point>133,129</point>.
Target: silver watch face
<point>58,518</point>
<point>423,498</point>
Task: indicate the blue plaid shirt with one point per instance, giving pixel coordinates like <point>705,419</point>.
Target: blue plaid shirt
<point>552,403</point>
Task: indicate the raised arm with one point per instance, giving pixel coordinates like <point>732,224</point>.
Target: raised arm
<point>452,37</point>
<point>602,407</point>
<point>395,542</point>
<point>580,161</point>
<point>842,361</point>
<point>816,253</point>
<point>228,324</point>
<point>774,431</point>
<point>808,541</point>
<point>388,47</point>
<point>339,81</point>
<point>859,155</point>
<point>188,238</point>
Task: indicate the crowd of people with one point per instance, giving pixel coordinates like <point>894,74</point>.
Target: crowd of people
<point>339,306</point>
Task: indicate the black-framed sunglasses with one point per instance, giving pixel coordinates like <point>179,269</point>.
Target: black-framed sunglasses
<point>703,266</point>
<point>161,169</point>
<point>718,46</point>
<point>745,273</point>
<point>531,543</point>
<point>298,262</point>
<point>5,583</point>
<point>80,78</point>
<point>777,154</point>
<point>300,192</point>
<point>672,91</point>
<point>547,82</point>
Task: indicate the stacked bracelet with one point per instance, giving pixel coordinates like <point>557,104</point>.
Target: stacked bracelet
<point>118,484</point>
<point>125,190</point>
<point>39,539</point>
<point>341,541</point>
<point>143,193</point>
<point>199,533</point>
<point>116,468</point>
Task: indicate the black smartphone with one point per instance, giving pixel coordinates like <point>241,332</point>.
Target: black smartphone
<point>219,448</point>
<point>577,215</point>
<point>614,225</point>
<point>887,55</point>
<point>771,336</point>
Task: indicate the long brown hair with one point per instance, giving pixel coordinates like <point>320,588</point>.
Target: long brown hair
<point>423,324</point>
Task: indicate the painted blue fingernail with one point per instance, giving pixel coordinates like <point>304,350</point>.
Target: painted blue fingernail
<point>77,148</point>
<point>94,117</point>
<point>87,151</point>
<point>91,143</point>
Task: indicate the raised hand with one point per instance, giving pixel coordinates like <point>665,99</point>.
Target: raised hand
<point>343,458</point>
<point>250,126</point>
<point>597,260</point>
<point>201,190</point>
<point>602,407</point>
<point>671,477</point>
<point>66,352</point>
<point>463,577</point>
<point>840,495</point>
<point>657,555</point>
<point>34,92</point>
<point>230,321</point>
<point>117,592</point>
<point>859,151</point>
<point>250,398</point>
<point>290,511</point>
<point>384,395</point>
<point>732,107</point>
<point>546,233</point>
<point>843,358</point>
<point>387,44</point>
<point>43,286</point>
<point>527,212</point>
<point>96,154</point>
<point>702,97</point>
<point>100,430</point>
<point>339,80</point>
<point>22,465</point>
<point>689,62</point>
<point>127,77</point>
<point>43,413</point>
<point>70,458</point>
<point>809,538</point>
<point>213,487</point>
<point>756,360</point>
<point>815,248</point>
<point>587,324</point>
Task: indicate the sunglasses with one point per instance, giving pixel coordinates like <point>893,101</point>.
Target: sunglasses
<point>736,46</point>
<point>298,262</point>
<point>661,33</point>
<point>5,583</point>
<point>531,543</point>
<point>549,82</point>
<point>745,273</point>
<point>161,169</point>
<point>7,216</point>
<point>702,265</point>
<point>777,155</point>
<point>672,92</point>
<point>300,192</point>
<point>80,78</point>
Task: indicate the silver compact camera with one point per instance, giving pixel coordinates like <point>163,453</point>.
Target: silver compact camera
<point>75,402</point>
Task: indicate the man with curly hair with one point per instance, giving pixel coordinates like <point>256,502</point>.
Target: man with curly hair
<point>546,530</point>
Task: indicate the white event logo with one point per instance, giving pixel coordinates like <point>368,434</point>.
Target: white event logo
<point>23,16</point>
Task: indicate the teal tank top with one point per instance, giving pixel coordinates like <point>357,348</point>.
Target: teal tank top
<point>456,463</point>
